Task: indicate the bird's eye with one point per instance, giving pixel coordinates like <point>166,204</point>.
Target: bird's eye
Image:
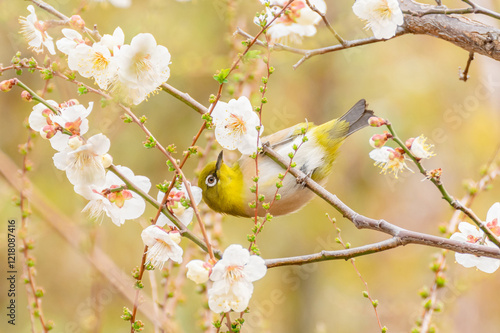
<point>211,180</point>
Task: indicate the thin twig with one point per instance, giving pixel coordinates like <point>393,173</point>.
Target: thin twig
<point>464,76</point>
<point>446,196</point>
<point>328,25</point>
<point>466,201</point>
<point>48,8</point>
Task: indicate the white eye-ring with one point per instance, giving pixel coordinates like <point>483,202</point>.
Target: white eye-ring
<point>211,180</point>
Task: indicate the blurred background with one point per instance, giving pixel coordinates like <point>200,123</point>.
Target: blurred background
<point>411,80</point>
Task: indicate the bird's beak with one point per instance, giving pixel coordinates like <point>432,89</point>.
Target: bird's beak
<point>219,161</point>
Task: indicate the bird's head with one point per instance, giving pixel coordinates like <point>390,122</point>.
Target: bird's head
<point>222,187</point>
<point>210,175</point>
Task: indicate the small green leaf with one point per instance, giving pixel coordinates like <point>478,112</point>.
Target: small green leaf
<point>251,55</point>
<point>221,76</point>
<point>82,90</point>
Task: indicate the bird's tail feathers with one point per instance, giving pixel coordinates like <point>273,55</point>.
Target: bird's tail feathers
<point>357,117</point>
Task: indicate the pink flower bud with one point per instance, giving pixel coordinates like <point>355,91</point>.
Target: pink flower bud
<point>409,142</point>
<point>26,96</point>
<point>7,85</point>
<point>378,140</point>
<point>77,21</point>
<point>376,121</point>
<point>48,131</point>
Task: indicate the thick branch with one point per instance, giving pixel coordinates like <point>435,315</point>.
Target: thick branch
<point>470,35</point>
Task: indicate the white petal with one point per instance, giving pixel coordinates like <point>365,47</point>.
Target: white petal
<point>185,217</point>
<point>61,160</point>
<point>255,269</point>
<point>493,213</point>
<point>133,208</point>
<point>59,141</point>
<point>235,254</point>
<point>100,144</point>
<point>220,112</point>
<point>469,229</point>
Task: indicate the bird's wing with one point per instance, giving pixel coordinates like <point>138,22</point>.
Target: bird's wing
<point>285,136</point>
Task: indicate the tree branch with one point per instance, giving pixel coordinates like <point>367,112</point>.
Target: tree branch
<point>470,35</point>
<point>400,236</point>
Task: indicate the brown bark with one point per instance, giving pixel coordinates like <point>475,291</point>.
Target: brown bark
<point>463,32</point>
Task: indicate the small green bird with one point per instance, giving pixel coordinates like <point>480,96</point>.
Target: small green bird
<point>227,189</point>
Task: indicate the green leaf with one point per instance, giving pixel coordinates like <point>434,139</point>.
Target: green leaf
<point>221,76</point>
<point>82,90</point>
<point>251,55</point>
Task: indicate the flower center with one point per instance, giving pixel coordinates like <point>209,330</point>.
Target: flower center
<point>383,11</point>
<point>100,62</point>
<point>174,202</point>
<point>472,239</point>
<point>118,197</point>
<point>236,124</point>
<point>291,14</point>
<point>234,273</point>
<point>142,64</point>
<point>494,227</point>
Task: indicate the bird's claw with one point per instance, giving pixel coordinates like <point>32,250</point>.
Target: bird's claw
<point>302,180</point>
<point>266,144</point>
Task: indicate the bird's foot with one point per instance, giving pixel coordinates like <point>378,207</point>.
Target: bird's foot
<point>266,144</point>
<point>302,181</point>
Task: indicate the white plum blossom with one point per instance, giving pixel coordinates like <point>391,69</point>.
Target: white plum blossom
<point>419,148</point>
<point>86,164</point>
<point>382,16</point>
<point>34,31</point>
<point>176,197</point>
<point>297,22</point>
<point>41,116</point>
<point>389,159</point>
<point>233,276</point>
<point>71,39</point>
<point>162,245</point>
<point>143,67</point>
<point>115,41</point>
<point>471,234</point>
<point>198,271</point>
<point>235,125</point>
<point>119,205</point>
<point>94,61</point>
<point>58,128</point>
<point>98,61</point>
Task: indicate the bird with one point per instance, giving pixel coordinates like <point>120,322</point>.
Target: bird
<point>226,189</point>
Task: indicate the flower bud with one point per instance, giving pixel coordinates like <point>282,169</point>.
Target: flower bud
<point>75,142</point>
<point>48,131</point>
<point>376,121</point>
<point>107,160</point>
<point>175,235</point>
<point>409,142</point>
<point>77,21</point>
<point>198,271</point>
<point>6,85</point>
<point>26,96</point>
<point>378,140</point>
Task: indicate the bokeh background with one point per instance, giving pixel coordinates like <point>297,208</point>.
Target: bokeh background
<point>411,80</point>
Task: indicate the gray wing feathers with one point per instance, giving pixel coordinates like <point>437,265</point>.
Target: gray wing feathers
<point>357,116</point>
